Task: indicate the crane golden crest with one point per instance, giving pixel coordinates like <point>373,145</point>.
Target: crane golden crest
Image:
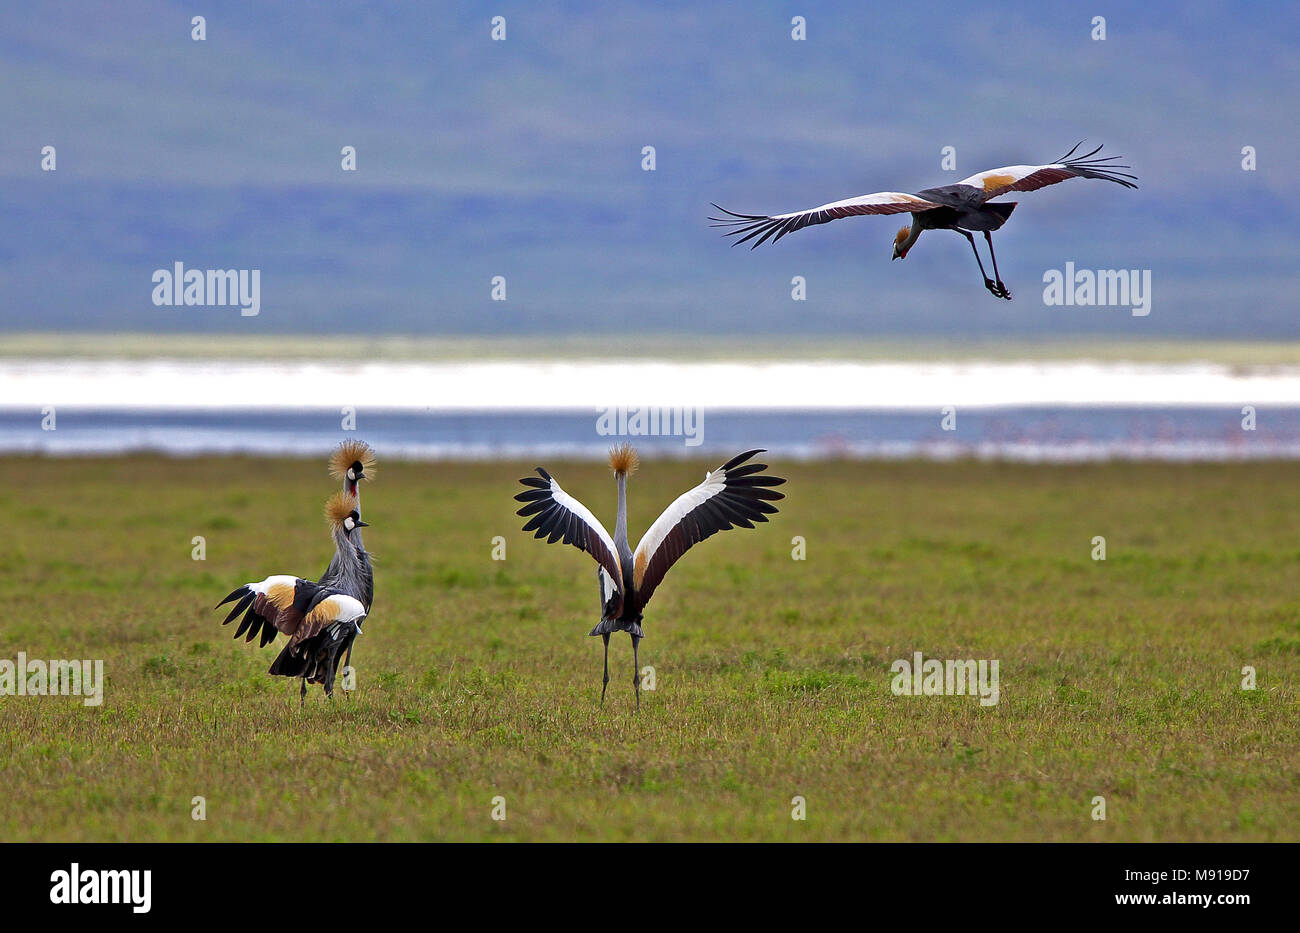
<point>355,456</point>
<point>623,460</point>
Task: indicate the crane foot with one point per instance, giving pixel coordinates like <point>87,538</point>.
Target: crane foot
<point>997,289</point>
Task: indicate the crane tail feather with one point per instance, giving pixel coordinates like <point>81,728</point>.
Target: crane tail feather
<point>609,626</point>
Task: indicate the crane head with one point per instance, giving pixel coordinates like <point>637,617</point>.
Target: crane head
<point>900,251</point>
<point>623,460</point>
<point>350,460</point>
<point>341,512</point>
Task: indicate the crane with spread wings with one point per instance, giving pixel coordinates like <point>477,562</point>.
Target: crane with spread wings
<point>736,494</point>
<point>968,205</point>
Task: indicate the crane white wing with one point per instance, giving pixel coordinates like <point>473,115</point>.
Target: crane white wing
<point>1009,178</point>
<point>732,495</point>
<point>338,607</point>
<point>778,225</point>
<point>292,605</point>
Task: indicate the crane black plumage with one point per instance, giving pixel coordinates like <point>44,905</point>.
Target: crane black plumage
<point>319,617</point>
<point>352,461</point>
<point>737,494</point>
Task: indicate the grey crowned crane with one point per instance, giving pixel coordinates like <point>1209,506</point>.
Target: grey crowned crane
<point>319,617</point>
<point>736,494</point>
<point>352,461</point>
<point>962,207</point>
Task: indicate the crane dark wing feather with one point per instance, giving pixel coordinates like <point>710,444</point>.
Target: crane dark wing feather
<point>276,604</point>
<point>557,516</point>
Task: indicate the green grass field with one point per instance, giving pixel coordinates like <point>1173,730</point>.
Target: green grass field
<point>476,679</point>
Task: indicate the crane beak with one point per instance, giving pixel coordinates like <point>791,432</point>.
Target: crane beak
<point>361,524</point>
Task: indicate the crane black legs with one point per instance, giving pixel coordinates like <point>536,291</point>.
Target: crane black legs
<point>603,686</point>
<point>996,275</point>
<point>636,671</point>
<point>997,288</point>
<point>302,694</point>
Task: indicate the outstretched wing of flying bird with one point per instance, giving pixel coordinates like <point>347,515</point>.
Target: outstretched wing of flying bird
<point>557,516</point>
<point>997,181</point>
<point>778,225</point>
<point>281,603</point>
<point>730,496</point>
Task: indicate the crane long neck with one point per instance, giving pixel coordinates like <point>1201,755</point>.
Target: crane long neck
<point>349,567</point>
<point>345,547</point>
<point>620,527</point>
<point>353,487</point>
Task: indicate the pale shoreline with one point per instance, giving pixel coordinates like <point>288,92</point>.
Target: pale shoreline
<point>585,385</point>
<point>676,347</point>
